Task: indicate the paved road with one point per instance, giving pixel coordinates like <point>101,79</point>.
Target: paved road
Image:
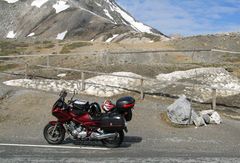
<point>172,145</point>
<point>34,154</point>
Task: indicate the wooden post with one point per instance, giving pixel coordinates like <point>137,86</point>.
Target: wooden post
<point>48,60</point>
<point>106,58</point>
<point>83,81</point>
<point>142,93</point>
<point>26,70</point>
<point>193,52</point>
<point>103,60</point>
<point>192,94</point>
<point>214,98</point>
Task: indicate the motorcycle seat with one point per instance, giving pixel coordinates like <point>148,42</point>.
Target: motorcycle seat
<point>98,117</point>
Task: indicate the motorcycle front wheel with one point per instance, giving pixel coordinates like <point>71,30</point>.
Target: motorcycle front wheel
<point>54,135</point>
<point>114,142</point>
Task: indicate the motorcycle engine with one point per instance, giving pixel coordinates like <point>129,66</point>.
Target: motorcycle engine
<point>77,130</point>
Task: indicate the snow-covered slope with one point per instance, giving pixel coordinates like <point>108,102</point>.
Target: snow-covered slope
<point>87,19</point>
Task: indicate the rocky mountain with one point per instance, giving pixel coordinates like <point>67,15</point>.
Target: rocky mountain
<point>100,20</point>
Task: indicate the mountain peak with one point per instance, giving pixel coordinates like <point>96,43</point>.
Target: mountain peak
<point>84,19</point>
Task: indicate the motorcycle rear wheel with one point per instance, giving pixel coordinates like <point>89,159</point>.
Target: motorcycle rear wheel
<point>54,138</point>
<point>114,142</point>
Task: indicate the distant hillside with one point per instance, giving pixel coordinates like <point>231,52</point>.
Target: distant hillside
<point>225,41</point>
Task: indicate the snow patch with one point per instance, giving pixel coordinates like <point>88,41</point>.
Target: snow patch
<point>11,34</point>
<point>115,80</point>
<point>31,34</point>
<point>124,22</point>
<point>17,82</point>
<point>38,3</point>
<point>107,86</point>
<point>111,38</point>
<point>103,86</point>
<point>111,7</point>
<point>61,75</point>
<point>107,13</point>
<point>61,36</point>
<point>177,75</point>
<point>204,80</point>
<point>98,4</point>
<point>60,6</point>
<point>11,1</point>
<point>136,25</point>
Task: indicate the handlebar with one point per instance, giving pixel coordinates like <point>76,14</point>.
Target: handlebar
<point>70,102</point>
<point>63,95</point>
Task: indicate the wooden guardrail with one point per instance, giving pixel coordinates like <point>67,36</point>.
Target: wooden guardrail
<point>125,52</point>
<point>26,65</point>
<point>83,72</point>
<point>225,51</point>
<point>105,54</point>
<point>142,79</point>
<point>166,50</point>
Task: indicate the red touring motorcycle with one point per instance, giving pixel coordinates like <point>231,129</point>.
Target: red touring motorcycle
<point>84,121</point>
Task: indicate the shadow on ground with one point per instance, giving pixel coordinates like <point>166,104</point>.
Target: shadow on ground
<point>127,142</point>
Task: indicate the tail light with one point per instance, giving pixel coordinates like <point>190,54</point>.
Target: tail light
<point>125,106</point>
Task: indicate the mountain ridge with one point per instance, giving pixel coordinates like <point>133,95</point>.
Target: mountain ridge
<point>86,19</point>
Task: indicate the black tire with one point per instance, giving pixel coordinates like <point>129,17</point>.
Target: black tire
<point>114,142</point>
<point>54,138</point>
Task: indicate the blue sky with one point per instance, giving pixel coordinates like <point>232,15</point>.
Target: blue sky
<point>186,17</point>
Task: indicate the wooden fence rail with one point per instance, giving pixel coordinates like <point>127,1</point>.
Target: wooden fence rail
<point>142,79</point>
<point>83,72</point>
<point>20,63</point>
<point>105,56</point>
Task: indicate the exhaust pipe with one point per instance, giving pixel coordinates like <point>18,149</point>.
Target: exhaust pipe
<point>105,136</point>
